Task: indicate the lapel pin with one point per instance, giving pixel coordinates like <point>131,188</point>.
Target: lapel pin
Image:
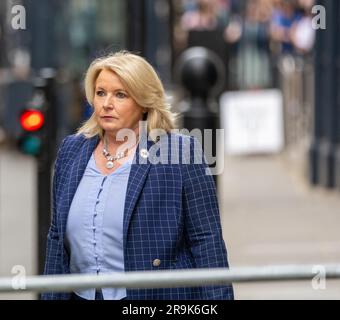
<point>144,153</point>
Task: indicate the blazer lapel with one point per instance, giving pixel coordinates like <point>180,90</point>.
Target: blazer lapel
<point>138,174</point>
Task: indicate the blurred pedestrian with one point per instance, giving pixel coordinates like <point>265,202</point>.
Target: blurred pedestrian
<point>114,209</point>
<point>303,34</point>
<point>206,16</point>
<point>285,15</point>
<point>251,67</point>
<point>200,16</point>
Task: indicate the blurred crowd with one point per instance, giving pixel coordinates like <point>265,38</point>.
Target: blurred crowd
<point>257,32</point>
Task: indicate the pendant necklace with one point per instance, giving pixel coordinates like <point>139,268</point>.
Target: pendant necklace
<point>111,159</point>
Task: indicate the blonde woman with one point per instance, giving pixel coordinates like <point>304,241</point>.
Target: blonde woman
<point>114,208</point>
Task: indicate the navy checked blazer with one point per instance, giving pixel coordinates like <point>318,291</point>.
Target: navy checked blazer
<point>171,214</point>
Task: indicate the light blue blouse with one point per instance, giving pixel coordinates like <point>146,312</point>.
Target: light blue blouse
<point>94,232</point>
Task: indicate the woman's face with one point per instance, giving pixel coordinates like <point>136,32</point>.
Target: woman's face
<point>114,108</point>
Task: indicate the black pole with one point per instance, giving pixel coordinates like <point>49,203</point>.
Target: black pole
<point>322,151</point>
<point>317,125</point>
<point>45,163</point>
<point>337,104</point>
<point>200,116</point>
<point>136,26</point>
<point>44,56</point>
<point>327,146</point>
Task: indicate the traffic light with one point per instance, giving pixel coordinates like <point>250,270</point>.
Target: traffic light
<point>33,121</point>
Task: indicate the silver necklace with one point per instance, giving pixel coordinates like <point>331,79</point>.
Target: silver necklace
<point>111,159</point>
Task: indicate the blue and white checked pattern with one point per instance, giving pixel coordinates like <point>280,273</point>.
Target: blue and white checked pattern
<point>171,214</point>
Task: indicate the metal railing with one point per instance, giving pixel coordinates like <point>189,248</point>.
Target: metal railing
<point>169,278</point>
<point>297,85</point>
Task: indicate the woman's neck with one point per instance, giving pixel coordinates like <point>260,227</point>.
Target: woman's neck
<point>113,143</point>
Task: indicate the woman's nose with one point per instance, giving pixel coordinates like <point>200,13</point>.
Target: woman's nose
<point>108,102</point>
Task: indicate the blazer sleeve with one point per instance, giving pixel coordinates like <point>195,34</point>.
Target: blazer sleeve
<point>54,251</point>
<point>202,220</point>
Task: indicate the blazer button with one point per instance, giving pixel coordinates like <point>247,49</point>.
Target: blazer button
<point>156,263</point>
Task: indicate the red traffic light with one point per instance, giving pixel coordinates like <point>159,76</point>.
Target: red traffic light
<point>32,120</point>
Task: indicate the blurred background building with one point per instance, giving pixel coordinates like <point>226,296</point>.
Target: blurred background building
<point>262,43</point>
<point>270,213</point>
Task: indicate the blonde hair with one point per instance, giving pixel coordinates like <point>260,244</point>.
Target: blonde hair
<point>141,82</point>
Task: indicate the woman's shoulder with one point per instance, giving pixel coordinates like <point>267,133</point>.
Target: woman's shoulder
<point>177,137</point>
<point>184,141</point>
<point>73,143</point>
<point>73,140</point>
<point>180,147</point>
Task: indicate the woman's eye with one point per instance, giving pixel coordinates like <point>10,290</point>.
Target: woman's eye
<point>120,95</point>
<point>100,93</point>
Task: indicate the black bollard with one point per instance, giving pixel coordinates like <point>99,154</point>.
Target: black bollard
<point>201,72</point>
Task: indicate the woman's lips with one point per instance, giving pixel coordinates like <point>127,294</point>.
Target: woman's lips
<point>108,117</point>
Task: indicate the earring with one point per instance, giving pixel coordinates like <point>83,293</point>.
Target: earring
<point>145,115</point>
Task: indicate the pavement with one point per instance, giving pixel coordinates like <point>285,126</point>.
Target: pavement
<point>17,217</point>
<point>271,216</point>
